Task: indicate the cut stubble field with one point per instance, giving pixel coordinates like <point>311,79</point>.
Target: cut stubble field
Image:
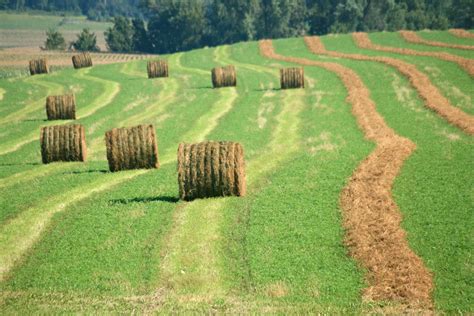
<point>358,192</point>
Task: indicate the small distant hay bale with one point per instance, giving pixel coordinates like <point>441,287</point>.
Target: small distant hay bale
<point>211,169</point>
<point>157,69</point>
<point>39,66</point>
<point>224,77</point>
<point>61,107</point>
<point>63,143</point>
<point>132,148</point>
<point>82,60</point>
<point>291,78</point>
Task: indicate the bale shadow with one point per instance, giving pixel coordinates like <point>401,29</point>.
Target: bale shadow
<point>20,164</point>
<point>265,90</point>
<point>168,199</point>
<point>35,120</point>
<point>201,88</point>
<point>86,171</point>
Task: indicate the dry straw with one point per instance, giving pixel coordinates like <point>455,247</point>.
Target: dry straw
<point>211,169</point>
<point>157,69</point>
<point>63,143</point>
<point>132,148</point>
<point>82,60</point>
<point>61,107</point>
<point>224,77</point>
<point>39,66</point>
<point>291,78</point>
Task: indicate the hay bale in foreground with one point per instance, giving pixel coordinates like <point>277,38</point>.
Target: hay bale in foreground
<point>132,148</point>
<point>211,169</point>
<point>82,60</point>
<point>157,69</point>
<point>61,107</point>
<point>291,78</point>
<point>63,143</point>
<point>224,77</point>
<point>39,66</point>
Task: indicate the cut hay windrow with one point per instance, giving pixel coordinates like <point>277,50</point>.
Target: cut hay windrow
<point>82,60</point>
<point>132,148</point>
<point>461,33</point>
<point>292,78</point>
<point>412,37</point>
<point>224,77</point>
<point>363,41</point>
<point>63,143</point>
<point>211,169</point>
<point>371,217</point>
<point>433,99</point>
<point>157,69</point>
<point>39,66</point>
<point>61,107</point>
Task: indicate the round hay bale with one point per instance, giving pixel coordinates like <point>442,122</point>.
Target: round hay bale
<point>292,78</point>
<point>132,148</point>
<point>224,77</point>
<point>82,60</point>
<point>61,107</point>
<point>211,169</point>
<point>63,143</point>
<point>39,66</point>
<point>157,69</point>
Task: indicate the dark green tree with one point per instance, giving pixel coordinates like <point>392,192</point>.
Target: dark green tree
<point>119,37</point>
<point>140,42</point>
<point>54,40</point>
<point>86,41</point>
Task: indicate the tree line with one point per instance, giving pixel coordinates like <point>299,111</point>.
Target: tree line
<point>165,26</point>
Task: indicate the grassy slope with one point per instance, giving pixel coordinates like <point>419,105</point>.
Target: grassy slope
<point>430,191</point>
<point>10,21</point>
<point>445,37</point>
<point>113,250</point>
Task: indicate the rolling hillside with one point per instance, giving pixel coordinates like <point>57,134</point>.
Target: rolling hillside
<point>359,187</point>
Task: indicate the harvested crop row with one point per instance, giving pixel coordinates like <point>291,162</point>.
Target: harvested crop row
<point>412,37</point>
<point>363,41</point>
<point>431,96</point>
<point>371,217</point>
<point>461,33</point>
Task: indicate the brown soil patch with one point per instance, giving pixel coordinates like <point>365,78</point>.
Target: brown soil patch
<point>363,41</point>
<point>371,217</point>
<point>412,37</point>
<point>431,96</point>
<point>461,33</point>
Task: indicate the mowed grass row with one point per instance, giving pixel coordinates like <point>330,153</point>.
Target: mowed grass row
<point>433,190</point>
<point>445,37</point>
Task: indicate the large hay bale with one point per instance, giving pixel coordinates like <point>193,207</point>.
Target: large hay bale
<point>211,169</point>
<point>291,78</point>
<point>39,66</point>
<point>132,148</point>
<point>82,60</point>
<point>224,77</point>
<point>63,143</point>
<point>61,107</point>
<point>157,69</point>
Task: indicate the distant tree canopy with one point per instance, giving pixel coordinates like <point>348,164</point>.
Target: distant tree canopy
<point>54,40</point>
<point>86,41</point>
<point>176,25</point>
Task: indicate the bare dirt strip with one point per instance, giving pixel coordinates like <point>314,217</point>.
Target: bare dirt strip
<point>461,33</point>
<point>431,96</point>
<point>363,41</point>
<point>371,217</point>
<point>412,37</point>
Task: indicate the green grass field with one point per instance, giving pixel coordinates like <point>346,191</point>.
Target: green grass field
<point>75,238</point>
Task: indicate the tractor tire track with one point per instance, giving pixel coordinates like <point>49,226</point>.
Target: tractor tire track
<point>461,33</point>
<point>430,95</point>
<point>413,38</point>
<point>371,217</point>
<point>363,41</point>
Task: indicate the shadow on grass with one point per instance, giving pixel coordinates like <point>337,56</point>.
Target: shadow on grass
<point>201,88</point>
<point>35,120</point>
<point>86,171</point>
<point>20,164</point>
<point>168,199</point>
<point>265,90</point>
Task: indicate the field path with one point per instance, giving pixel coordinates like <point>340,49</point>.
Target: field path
<point>412,37</point>
<point>431,96</point>
<point>363,41</point>
<point>461,33</point>
<point>371,217</point>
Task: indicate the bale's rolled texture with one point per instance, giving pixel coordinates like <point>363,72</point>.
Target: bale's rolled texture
<point>61,107</point>
<point>39,66</point>
<point>211,169</point>
<point>157,69</point>
<point>291,78</point>
<point>63,143</point>
<point>82,60</point>
<point>224,77</point>
<point>132,148</point>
